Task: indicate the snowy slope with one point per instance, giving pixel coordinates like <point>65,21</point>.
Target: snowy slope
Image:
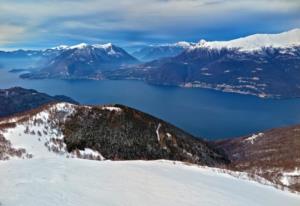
<point>40,136</point>
<point>40,133</point>
<point>72,182</point>
<point>257,41</point>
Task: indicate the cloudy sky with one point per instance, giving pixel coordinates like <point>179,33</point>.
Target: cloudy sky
<point>133,23</point>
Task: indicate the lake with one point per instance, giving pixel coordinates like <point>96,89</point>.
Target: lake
<point>204,113</point>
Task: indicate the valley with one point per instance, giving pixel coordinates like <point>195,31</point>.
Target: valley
<point>205,113</point>
<point>263,65</point>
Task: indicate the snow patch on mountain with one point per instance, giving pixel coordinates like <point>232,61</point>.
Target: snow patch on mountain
<point>292,177</point>
<point>103,46</point>
<point>183,44</point>
<point>111,108</point>
<point>253,137</point>
<point>60,47</point>
<point>157,132</point>
<point>88,153</point>
<point>78,46</point>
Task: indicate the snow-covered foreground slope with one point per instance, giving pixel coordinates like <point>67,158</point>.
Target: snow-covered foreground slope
<point>60,181</point>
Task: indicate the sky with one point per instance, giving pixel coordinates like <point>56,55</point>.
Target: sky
<point>135,23</point>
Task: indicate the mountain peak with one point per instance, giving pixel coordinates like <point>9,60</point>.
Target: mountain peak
<point>79,46</point>
<point>202,42</point>
<point>61,47</point>
<point>103,46</point>
<point>183,44</point>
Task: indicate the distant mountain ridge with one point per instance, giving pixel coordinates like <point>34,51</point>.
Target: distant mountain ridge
<point>264,65</point>
<point>17,100</point>
<point>153,52</point>
<point>254,42</point>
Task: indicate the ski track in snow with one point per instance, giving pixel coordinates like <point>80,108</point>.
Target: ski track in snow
<point>157,132</point>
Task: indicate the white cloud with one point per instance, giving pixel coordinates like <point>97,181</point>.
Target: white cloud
<point>10,34</point>
<point>36,16</point>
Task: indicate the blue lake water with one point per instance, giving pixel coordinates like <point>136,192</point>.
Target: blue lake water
<point>205,113</point>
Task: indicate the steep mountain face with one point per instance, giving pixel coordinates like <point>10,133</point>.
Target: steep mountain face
<point>153,52</point>
<point>17,99</point>
<point>83,62</point>
<point>112,132</point>
<point>261,65</point>
<point>274,155</point>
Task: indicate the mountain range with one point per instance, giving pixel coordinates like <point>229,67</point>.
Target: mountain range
<point>264,65</point>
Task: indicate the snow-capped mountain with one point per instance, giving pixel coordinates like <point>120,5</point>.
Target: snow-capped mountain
<point>263,65</point>
<point>109,48</point>
<point>154,52</point>
<point>108,52</point>
<point>84,61</point>
<point>255,42</point>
